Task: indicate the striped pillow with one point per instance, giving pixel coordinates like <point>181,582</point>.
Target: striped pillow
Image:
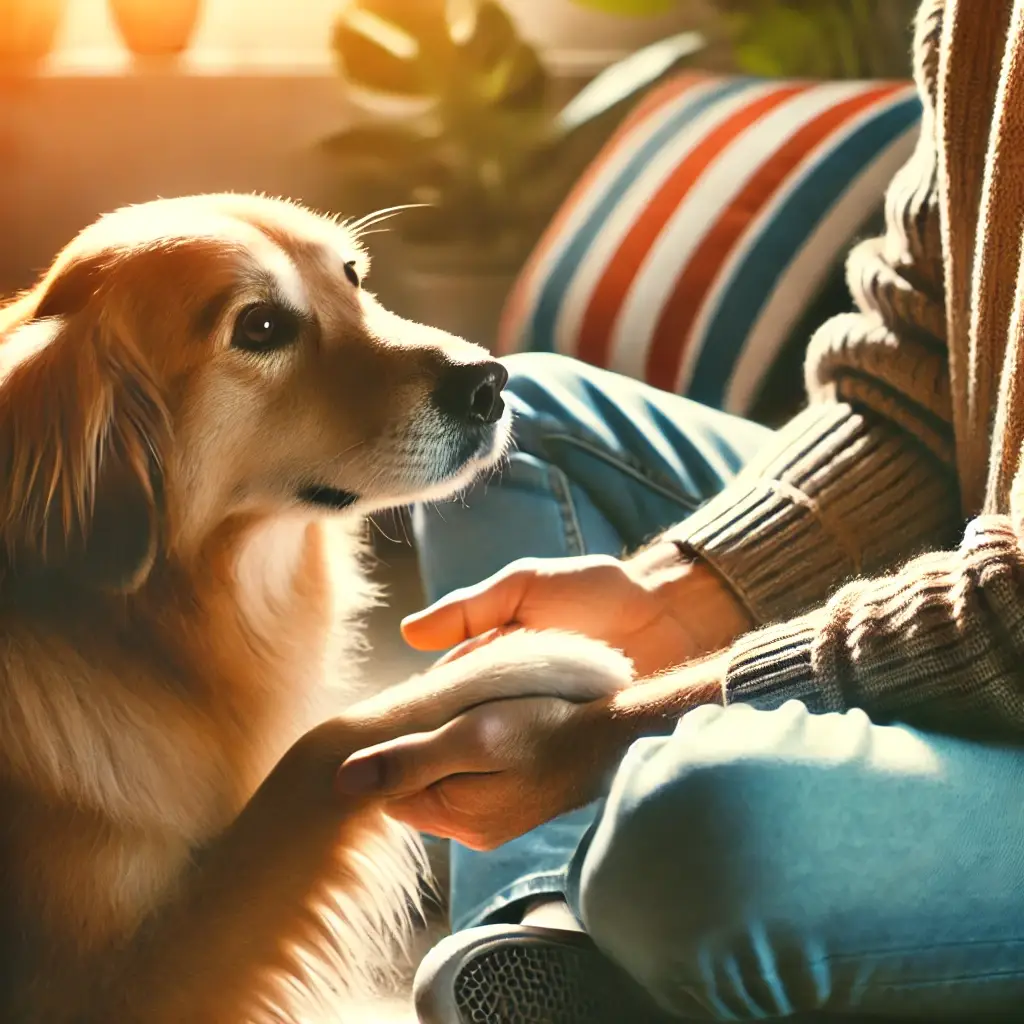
<point>690,249</point>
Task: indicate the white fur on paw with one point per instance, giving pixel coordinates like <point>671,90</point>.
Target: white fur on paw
<point>542,664</point>
<point>519,664</point>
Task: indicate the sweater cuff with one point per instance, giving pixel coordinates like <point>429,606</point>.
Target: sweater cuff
<point>773,551</point>
<point>768,667</point>
<point>838,494</point>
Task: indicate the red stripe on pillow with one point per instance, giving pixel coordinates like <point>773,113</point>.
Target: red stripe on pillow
<point>672,333</point>
<point>611,290</point>
<point>513,313</point>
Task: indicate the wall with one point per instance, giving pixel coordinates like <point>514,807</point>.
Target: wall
<point>91,131</point>
<point>271,30</point>
<point>73,146</point>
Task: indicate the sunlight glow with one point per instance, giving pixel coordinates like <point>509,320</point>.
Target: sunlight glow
<point>229,33</point>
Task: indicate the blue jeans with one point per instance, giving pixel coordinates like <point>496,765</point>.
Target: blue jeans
<point>754,864</point>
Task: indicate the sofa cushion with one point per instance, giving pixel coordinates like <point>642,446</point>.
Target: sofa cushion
<point>690,251</point>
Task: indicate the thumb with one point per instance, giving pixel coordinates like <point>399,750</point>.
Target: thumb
<point>466,613</point>
<point>413,763</point>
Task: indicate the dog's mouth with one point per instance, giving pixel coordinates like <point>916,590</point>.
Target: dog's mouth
<point>472,445</point>
<point>331,498</point>
<point>433,464</point>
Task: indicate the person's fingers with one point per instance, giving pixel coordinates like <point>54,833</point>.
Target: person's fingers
<point>430,812</point>
<point>426,812</point>
<point>473,643</point>
<point>468,612</point>
<point>413,763</point>
<point>458,808</point>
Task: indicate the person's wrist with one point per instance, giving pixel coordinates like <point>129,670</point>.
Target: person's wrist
<point>652,707</point>
<point>691,592</point>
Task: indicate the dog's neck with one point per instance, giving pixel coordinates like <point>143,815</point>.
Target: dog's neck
<point>250,644</point>
<point>252,564</point>
<point>265,563</point>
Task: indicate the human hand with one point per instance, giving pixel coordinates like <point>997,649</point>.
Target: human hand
<point>657,608</point>
<point>505,767</point>
<point>489,775</point>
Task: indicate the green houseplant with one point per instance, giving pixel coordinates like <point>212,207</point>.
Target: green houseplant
<point>476,139</point>
<point>821,38</point>
<point>802,38</point>
<point>460,128</point>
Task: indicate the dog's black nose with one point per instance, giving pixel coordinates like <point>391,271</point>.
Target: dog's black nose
<point>471,392</point>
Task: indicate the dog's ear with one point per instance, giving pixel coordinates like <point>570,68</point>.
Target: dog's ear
<point>82,434</point>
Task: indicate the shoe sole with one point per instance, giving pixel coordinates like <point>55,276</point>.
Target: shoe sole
<point>498,975</point>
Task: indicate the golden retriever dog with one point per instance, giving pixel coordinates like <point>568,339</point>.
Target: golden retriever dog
<point>199,404</point>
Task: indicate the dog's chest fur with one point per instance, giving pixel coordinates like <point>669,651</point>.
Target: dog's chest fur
<point>128,742</point>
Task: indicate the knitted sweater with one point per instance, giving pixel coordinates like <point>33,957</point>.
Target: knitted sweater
<point>914,429</point>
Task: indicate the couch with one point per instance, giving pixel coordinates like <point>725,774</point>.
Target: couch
<point>707,239</point>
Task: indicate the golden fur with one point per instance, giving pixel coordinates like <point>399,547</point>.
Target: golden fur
<point>179,625</point>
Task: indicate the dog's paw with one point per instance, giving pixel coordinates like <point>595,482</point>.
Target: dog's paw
<point>537,664</point>
<point>552,664</point>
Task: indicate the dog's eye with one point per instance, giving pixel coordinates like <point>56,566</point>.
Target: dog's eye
<point>262,328</point>
<point>351,273</point>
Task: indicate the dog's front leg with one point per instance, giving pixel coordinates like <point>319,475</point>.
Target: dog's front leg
<point>234,946</point>
<point>284,909</point>
<point>523,663</point>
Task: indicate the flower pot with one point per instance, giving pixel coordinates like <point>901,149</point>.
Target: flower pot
<point>28,28</point>
<point>156,28</point>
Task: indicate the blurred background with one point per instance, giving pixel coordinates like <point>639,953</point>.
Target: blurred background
<point>484,116</point>
<point>355,104</point>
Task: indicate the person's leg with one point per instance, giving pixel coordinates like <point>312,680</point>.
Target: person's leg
<point>600,465</point>
<point>760,864</point>
<point>774,864</point>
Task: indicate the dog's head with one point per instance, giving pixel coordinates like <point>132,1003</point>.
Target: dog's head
<point>194,361</point>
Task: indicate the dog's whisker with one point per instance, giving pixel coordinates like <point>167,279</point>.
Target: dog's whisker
<point>377,216</point>
<point>372,523</point>
<point>350,448</point>
<point>372,520</point>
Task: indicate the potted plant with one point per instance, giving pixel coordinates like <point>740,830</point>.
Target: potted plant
<point>820,38</point>
<point>460,126</point>
<point>156,28</point>
<point>800,38</point>
<point>28,28</point>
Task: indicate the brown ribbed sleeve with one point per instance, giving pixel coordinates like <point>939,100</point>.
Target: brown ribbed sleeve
<point>865,475</point>
<point>939,644</point>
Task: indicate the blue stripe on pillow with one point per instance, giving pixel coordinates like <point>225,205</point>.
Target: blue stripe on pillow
<point>541,336</point>
<point>767,259</point>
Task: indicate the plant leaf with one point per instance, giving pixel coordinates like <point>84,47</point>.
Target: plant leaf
<point>419,18</point>
<point>820,38</point>
<point>391,46</point>
<point>630,8</point>
<point>624,79</point>
<point>518,82</point>
<point>495,66</point>
<point>391,144</point>
<point>491,35</point>
<point>371,64</point>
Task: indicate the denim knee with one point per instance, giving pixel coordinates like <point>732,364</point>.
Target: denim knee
<point>683,882</point>
<point>542,389</point>
<point>543,367</point>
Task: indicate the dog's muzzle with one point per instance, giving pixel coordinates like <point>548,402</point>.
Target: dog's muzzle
<point>470,393</point>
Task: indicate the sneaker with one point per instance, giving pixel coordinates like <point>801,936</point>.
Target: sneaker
<point>517,974</point>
